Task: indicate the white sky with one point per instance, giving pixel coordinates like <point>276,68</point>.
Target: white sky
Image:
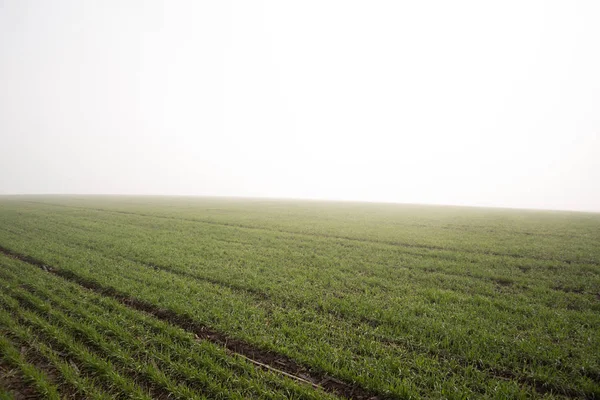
<point>489,103</point>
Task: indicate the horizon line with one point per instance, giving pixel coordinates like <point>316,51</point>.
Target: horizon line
<point>307,199</point>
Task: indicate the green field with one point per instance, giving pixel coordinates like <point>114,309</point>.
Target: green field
<point>177,297</point>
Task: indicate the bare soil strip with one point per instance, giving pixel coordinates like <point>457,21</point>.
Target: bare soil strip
<point>12,381</point>
<point>261,358</point>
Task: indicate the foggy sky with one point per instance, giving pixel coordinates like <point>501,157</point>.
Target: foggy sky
<point>488,103</point>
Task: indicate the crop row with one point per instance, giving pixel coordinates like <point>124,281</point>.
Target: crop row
<point>375,308</point>
<point>517,335</point>
<point>30,374</point>
<point>546,235</point>
<point>420,367</point>
<point>124,351</point>
<point>206,246</point>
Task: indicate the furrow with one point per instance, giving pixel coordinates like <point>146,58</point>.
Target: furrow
<point>490,370</point>
<point>175,363</point>
<point>90,363</point>
<point>285,366</point>
<point>261,358</point>
<point>153,377</point>
<point>190,353</point>
<point>28,374</point>
<point>68,373</point>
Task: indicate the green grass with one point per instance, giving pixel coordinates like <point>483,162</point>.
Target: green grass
<point>405,301</point>
<point>5,395</point>
<point>31,375</point>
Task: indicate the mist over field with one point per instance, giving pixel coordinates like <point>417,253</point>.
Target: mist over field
<point>468,102</point>
<point>321,200</point>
